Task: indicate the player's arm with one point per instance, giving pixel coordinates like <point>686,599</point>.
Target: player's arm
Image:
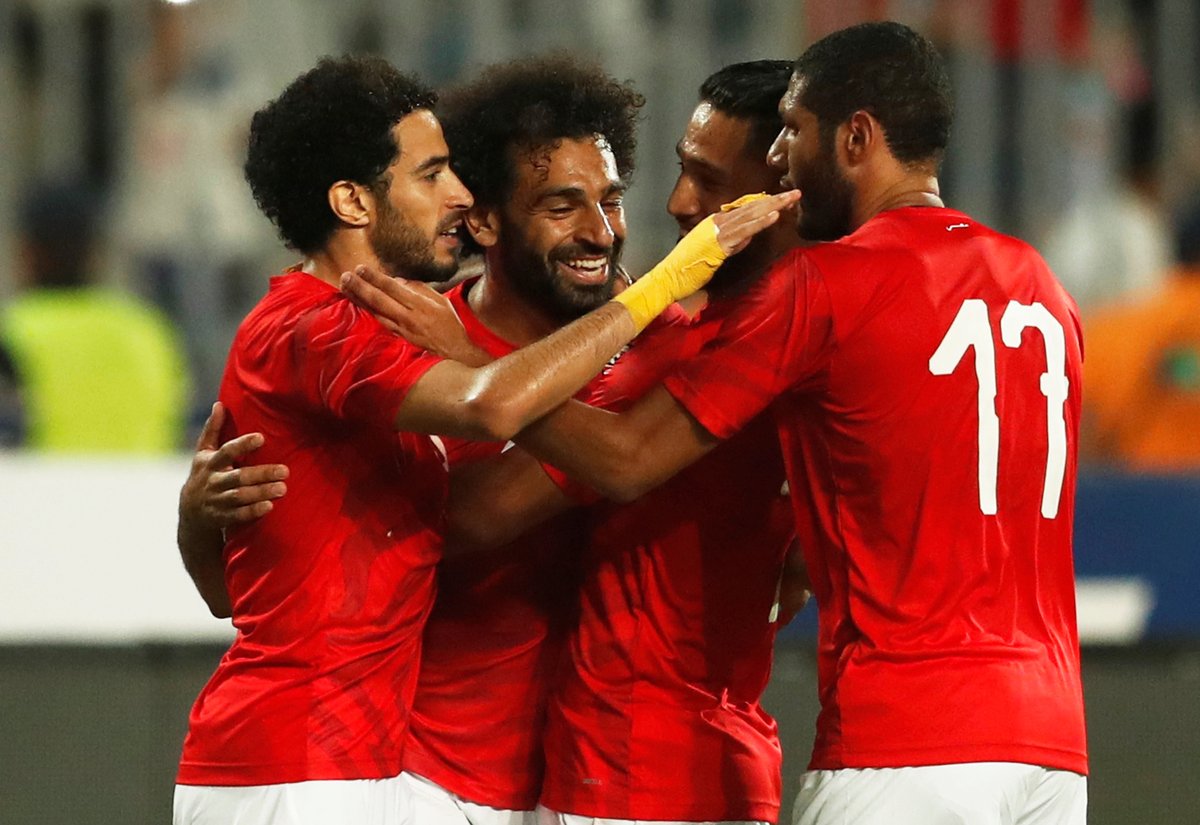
<point>620,455</point>
<point>496,401</point>
<point>217,494</point>
<point>493,502</point>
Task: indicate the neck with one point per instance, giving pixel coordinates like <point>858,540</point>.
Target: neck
<point>916,189</point>
<point>341,254</point>
<point>504,311</point>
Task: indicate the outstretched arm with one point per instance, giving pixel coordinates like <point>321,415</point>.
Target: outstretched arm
<point>620,455</point>
<point>217,495</point>
<point>493,502</point>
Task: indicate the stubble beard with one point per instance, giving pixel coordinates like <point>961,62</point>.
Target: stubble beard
<point>537,279</point>
<point>831,194</point>
<point>404,251</point>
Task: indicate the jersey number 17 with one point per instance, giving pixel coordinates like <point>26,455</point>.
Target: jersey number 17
<point>972,329</point>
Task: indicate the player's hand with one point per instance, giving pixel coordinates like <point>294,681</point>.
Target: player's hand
<point>738,222</point>
<point>795,589</point>
<point>413,311</point>
<point>219,494</point>
<point>700,253</point>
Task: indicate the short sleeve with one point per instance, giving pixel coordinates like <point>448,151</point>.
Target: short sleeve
<point>780,338</point>
<point>354,368</point>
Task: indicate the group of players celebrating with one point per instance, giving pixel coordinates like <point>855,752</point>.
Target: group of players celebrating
<point>517,553</point>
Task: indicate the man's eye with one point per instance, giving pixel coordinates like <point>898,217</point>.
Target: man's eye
<point>613,203</point>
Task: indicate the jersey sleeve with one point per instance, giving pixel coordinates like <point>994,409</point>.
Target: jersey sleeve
<point>780,338</point>
<point>354,368</point>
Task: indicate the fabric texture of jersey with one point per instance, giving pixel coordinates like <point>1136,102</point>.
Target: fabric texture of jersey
<point>331,589</point>
<point>657,714</point>
<point>492,643</point>
<point>947,633</point>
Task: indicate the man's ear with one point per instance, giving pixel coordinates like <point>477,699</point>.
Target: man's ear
<point>352,203</point>
<point>859,136</point>
<point>483,222</point>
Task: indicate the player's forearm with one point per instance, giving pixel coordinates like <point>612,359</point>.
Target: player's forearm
<point>522,387</point>
<point>621,456</point>
<point>592,446</point>
<point>496,401</point>
<point>494,502</point>
<point>200,548</point>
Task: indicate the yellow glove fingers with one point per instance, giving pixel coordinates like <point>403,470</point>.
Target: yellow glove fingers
<point>692,262</point>
<point>686,268</point>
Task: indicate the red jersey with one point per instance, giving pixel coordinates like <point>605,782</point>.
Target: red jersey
<point>330,590</point>
<point>492,642</point>
<point>925,377</point>
<point>657,716</point>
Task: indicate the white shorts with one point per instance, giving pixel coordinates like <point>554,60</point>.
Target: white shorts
<point>974,793</point>
<point>549,817</point>
<point>317,802</point>
<point>434,805</point>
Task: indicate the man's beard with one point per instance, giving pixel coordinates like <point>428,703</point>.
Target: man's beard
<point>403,251</point>
<point>537,279</point>
<point>827,203</point>
<point>744,266</point>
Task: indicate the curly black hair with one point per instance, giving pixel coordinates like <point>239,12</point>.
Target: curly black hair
<point>332,123</point>
<point>751,91</point>
<point>529,105</point>
<point>892,72</point>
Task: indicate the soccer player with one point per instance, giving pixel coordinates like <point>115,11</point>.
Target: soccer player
<point>658,715</point>
<point>924,373</point>
<point>547,147</point>
<point>306,717</point>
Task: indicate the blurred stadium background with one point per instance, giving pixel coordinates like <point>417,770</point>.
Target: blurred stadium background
<point>1078,129</point>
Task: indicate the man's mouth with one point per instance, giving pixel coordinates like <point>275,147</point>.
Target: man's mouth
<point>451,235</point>
<point>591,269</point>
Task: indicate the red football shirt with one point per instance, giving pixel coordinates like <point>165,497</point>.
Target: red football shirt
<point>925,377</point>
<point>657,715</point>
<point>492,642</point>
<point>330,590</point>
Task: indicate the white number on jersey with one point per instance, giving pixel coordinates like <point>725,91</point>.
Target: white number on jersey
<point>971,329</point>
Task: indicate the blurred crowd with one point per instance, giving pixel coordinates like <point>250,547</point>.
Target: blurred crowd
<point>129,273</point>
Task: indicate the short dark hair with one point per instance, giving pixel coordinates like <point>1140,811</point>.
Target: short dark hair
<point>332,123</point>
<point>750,91</point>
<point>892,72</point>
<point>531,104</point>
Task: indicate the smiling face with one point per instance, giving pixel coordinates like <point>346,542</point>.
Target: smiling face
<point>563,225</point>
<point>414,232</point>
<point>808,160</point>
